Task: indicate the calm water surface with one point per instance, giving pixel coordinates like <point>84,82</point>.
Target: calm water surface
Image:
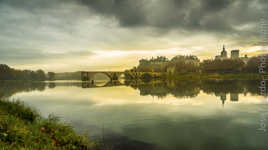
<point>183,115</point>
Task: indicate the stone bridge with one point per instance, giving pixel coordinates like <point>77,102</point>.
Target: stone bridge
<point>114,75</point>
<point>87,76</point>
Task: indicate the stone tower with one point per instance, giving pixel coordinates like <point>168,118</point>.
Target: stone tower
<point>223,52</point>
<point>235,54</point>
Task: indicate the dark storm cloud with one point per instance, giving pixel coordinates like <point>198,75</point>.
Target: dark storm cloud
<point>128,12</point>
<point>220,16</point>
<point>202,15</point>
<point>198,15</point>
<point>212,5</point>
<point>31,30</point>
<point>132,13</point>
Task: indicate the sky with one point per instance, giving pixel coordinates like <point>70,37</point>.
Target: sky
<point>112,35</point>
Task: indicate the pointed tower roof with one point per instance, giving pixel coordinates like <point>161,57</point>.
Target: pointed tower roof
<point>223,102</point>
<point>223,49</point>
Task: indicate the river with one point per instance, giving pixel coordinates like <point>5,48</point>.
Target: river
<point>161,115</point>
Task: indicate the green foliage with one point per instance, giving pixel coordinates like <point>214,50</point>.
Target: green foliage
<point>146,77</point>
<point>153,65</point>
<point>51,75</point>
<point>40,75</point>
<point>223,66</point>
<point>181,65</point>
<point>22,128</point>
<point>184,64</point>
<point>253,65</point>
<point>7,73</point>
<point>18,110</point>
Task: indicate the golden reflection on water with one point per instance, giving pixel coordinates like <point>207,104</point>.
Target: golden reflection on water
<point>63,100</point>
<point>146,112</point>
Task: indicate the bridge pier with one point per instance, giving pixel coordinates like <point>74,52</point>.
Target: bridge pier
<point>85,76</point>
<point>114,76</point>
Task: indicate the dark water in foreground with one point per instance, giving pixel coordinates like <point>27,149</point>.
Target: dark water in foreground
<point>182,115</point>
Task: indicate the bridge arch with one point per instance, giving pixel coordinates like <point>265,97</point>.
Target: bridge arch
<point>100,76</point>
<point>87,76</point>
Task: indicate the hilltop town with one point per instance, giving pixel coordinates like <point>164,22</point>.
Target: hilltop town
<point>190,64</point>
<point>234,55</point>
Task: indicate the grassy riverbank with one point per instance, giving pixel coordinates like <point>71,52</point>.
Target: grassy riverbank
<point>23,128</point>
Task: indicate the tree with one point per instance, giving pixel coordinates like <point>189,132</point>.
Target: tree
<point>40,75</point>
<point>185,64</point>
<point>223,66</point>
<point>146,77</point>
<point>51,75</point>
<point>7,73</point>
<point>253,65</point>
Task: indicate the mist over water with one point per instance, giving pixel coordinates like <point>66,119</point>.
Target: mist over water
<point>160,115</point>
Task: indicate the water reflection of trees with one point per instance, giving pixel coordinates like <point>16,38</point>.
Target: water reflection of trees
<point>179,89</point>
<point>9,88</point>
<point>231,86</point>
<point>163,88</point>
<point>184,89</point>
<point>218,87</point>
<point>153,88</point>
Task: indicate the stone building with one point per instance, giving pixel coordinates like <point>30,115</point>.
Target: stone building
<point>235,54</point>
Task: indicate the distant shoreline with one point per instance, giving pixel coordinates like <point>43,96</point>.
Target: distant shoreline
<point>166,76</point>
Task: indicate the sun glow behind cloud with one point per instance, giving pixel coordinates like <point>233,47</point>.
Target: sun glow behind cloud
<point>119,60</point>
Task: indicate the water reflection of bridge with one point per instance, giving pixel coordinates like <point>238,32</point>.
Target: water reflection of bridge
<point>84,84</point>
<point>107,84</point>
<point>227,91</point>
